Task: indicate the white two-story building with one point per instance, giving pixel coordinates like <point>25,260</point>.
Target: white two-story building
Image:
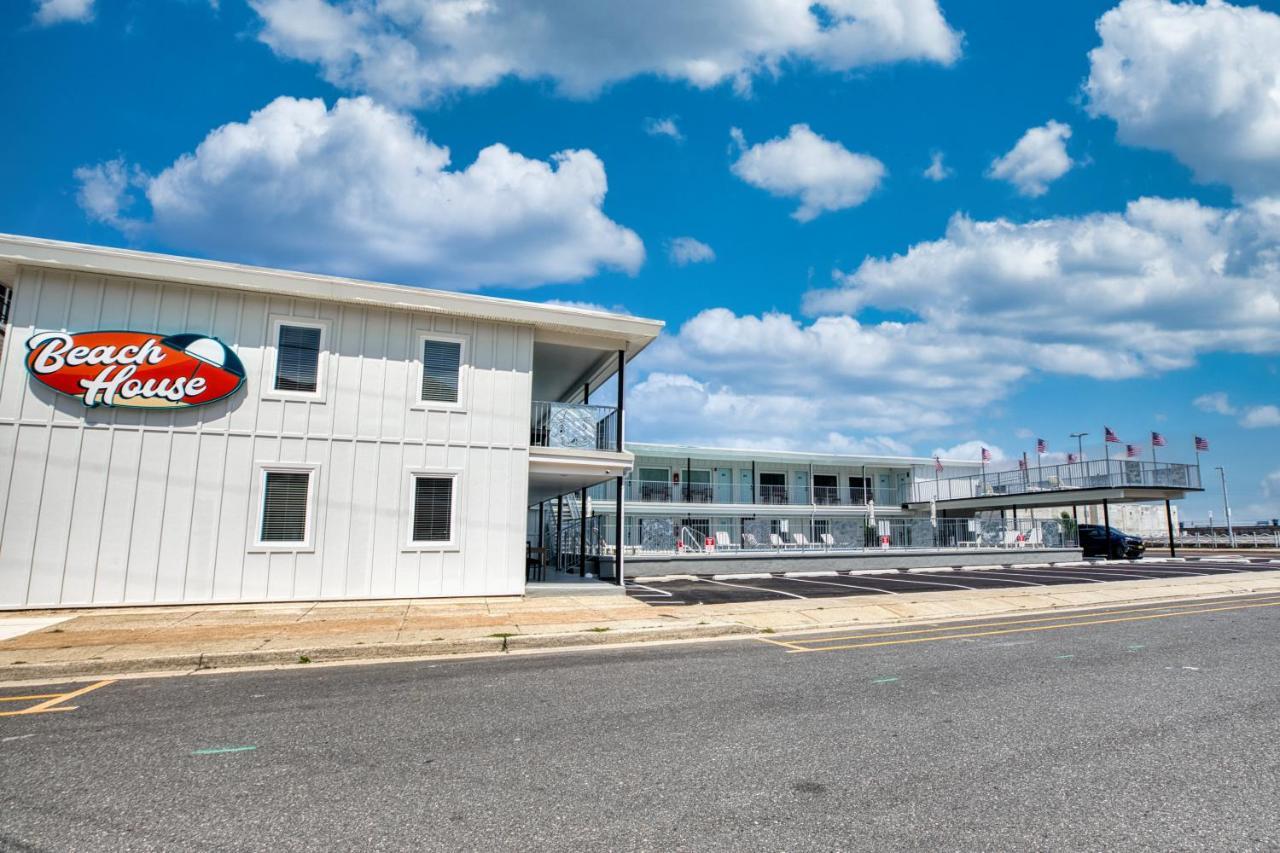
<point>177,430</point>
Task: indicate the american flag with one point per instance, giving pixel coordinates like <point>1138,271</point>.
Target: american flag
<point>1133,451</point>
<point>1041,446</point>
<point>1072,459</point>
<point>1157,440</point>
<point>937,463</point>
<point>986,455</point>
<point>1202,443</point>
<point>1110,435</point>
<point>1022,464</point>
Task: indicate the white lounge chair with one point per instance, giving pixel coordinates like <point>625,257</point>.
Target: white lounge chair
<point>776,541</point>
<point>749,540</point>
<point>1012,539</point>
<point>828,541</point>
<point>1035,538</point>
<point>723,543</point>
<point>800,540</point>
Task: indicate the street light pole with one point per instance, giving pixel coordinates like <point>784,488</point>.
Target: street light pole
<point>1226,505</point>
<point>1079,437</point>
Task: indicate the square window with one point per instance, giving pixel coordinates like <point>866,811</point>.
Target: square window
<point>298,358</point>
<point>285,505</point>
<point>432,509</point>
<point>441,370</point>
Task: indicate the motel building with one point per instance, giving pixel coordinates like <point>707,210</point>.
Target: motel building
<point>180,431</point>
<point>176,430</point>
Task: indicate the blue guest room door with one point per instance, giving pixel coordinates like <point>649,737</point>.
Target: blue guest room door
<point>724,485</point>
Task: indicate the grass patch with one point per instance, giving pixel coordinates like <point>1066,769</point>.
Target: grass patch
<point>303,659</point>
<point>767,631</point>
<point>597,630</point>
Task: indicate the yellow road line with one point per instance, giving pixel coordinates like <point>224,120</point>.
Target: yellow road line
<point>52,703</point>
<point>1050,618</point>
<point>784,644</point>
<point>28,698</point>
<point>1027,630</point>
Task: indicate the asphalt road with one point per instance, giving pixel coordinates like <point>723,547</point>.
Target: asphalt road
<point>1129,728</point>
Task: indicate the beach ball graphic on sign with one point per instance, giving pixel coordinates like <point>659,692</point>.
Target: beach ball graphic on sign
<point>139,370</point>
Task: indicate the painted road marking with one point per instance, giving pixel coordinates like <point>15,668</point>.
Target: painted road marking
<point>222,750</point>
<point>757,589</point>
<point>888,679</point>
<point>1057,617</point>
<point>875,589</point>
<point>1023,630</point>
<point>55,700</point>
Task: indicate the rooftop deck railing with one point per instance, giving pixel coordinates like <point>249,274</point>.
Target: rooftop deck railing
<point>661,491</point>
<point>573,426</point>
<point>1092,474</point>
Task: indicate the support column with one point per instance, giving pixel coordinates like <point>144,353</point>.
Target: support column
<point>542,544</point>
<point>619,521</point>
<point>582,533</point>
<point>559,530</point>
<point>1106,522</point>
<point>753,482</point>
<point>1168,520</point>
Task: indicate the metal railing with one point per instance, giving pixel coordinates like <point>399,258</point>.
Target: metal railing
<point>573,426</point>
<point>1093,474</point>
<point>649,535</point>
<point>1220,539</point>
<point>661,491</point>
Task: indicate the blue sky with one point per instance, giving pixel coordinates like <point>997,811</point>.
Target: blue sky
<point>1102,244</point>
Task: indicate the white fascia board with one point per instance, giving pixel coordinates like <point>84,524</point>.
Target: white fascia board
<point>632,333</point>
<point>790,457</point>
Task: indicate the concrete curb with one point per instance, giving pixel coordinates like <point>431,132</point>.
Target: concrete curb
<point>190,663</point>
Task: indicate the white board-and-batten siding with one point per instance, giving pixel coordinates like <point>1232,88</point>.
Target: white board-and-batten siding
<point>111,506</point>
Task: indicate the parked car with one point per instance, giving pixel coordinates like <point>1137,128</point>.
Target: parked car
<point>1093,539</point>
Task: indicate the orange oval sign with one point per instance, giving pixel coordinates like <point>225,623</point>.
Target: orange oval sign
<point>135,369</point>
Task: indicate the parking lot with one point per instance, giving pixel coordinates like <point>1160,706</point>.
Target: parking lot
<point>722,589</point>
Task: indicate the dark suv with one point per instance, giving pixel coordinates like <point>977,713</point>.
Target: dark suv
<point>1093,539</point>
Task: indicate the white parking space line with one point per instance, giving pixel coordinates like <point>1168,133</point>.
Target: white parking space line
<point>1046,573</point>
<point>745,576</point>
<point>757,589</point>
<point>1001,576</point>
<point>880,590</point>
<point>934,583</point>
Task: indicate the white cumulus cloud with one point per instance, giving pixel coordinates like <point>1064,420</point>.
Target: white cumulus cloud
<point>824,175</point>
<point>49,12</point>
<point>1038,159</point>
<point>970,451</point>
<point>937,169</point>
<point>663,127</point>
<point>1104,295</point>
<point>359,190</point>
<point>1217,402</point>
<point>417,51</point>
<point>686,250</point>
<point>1199,81</point>
<point>1258,417</point>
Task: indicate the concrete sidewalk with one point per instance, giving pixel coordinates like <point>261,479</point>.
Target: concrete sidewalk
<point>185,639</point>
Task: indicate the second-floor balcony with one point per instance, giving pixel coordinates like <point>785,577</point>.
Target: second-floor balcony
<point>766,494</point>
<point>574,427</point>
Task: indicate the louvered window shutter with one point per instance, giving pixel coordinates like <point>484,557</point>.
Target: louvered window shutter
<point>297,358</point>
<point>284,506</point>
<point>432,509</point>
<point>441,361</point>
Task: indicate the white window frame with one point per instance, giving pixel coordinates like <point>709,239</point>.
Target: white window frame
<point>463,372</point>
<point>455,511</point>
<point>260,485</point>
<point>322,359</point>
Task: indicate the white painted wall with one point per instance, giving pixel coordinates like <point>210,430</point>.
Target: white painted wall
<point>103,506</point>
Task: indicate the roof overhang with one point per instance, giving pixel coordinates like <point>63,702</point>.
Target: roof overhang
<point>622,332</point>
<point>1060,497</point>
